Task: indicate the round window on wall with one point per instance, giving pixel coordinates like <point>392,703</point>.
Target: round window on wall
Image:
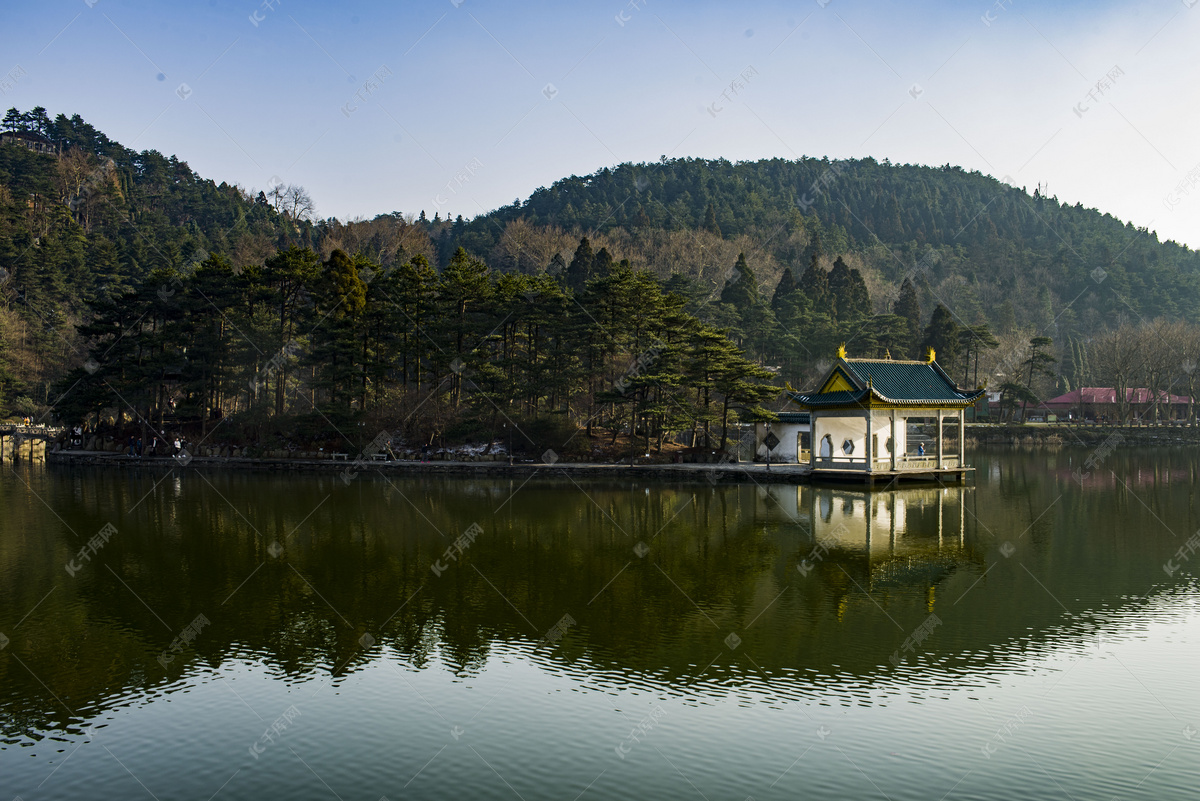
<point>847,447</point>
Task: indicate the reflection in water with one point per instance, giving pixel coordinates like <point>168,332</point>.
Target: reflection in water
<point>772,597</point>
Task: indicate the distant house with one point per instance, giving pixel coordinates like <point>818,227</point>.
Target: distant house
<point>886,416</point>
<point>1095,403</point>
<point>29,139</point>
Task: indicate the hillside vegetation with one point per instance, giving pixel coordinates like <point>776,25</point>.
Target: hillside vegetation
<point>134,289</point>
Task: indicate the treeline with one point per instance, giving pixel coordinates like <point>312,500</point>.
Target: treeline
<point>1159,355</point>
<point>996,253</point>
<point>299,349</point>
<point>888,259</point>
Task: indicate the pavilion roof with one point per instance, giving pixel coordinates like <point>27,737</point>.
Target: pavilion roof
<point>890,382</point>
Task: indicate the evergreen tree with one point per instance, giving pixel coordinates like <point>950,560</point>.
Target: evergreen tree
<point>908,307</point>
<point>741,288</point>
<point>710,220</point>
<point>784,290</point>
<point>942,335</point>
<point>1038,363</point>
<point>602,263</point>
<point>580,269</point>
<point>814,284</point>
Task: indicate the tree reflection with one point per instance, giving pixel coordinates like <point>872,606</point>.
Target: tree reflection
<point>309,576</point>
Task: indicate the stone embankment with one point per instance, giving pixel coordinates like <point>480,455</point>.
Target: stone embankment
<point>1087,435</point>
<point>495,466</point>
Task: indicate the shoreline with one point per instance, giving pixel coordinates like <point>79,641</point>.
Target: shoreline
<point>709,473</point>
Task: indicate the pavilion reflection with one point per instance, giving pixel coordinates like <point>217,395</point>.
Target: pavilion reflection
<point>882,522</point>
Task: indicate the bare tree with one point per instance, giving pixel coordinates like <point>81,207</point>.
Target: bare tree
<point>1119,354</point>
<point>297,203</point>
<point>1163,345</point>
<point>275,194</point>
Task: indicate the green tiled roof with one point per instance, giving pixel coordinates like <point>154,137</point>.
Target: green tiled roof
<point>901,382</point>
<point>842,397</point>
<point>906,380</point>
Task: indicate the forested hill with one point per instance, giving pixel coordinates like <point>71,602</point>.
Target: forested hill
<point>84,219</point>
<point>789,258</point>
<point>996,242</point>
<point>95,218</point>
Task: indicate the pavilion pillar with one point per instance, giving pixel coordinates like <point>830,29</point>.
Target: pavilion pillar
<point>870,445</point>
<point>962,438</point>
<point>894,441</point>
<point>939,439</point>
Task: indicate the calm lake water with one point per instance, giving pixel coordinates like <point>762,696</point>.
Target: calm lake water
<point>259,636</point>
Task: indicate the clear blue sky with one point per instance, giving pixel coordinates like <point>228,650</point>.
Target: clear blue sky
<point>528,92</point>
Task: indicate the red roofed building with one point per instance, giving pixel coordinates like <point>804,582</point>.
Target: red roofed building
<point>1095,403</point>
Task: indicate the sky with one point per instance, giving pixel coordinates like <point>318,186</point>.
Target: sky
<point>461,106</point>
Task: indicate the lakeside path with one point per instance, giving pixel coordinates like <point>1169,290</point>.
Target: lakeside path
<point>711,473</point>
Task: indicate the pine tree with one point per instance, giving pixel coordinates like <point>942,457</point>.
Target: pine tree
<point>814,284</point>
<point>602,264</point>
<point>580,268</point>
<point>710,220</point>
<point>783,290</point>
<point>840,292</point>
<point>741,288</point>
<point>908,306</point>
<point>942,335</point>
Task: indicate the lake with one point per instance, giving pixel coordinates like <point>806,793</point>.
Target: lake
<point>204,634</point>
